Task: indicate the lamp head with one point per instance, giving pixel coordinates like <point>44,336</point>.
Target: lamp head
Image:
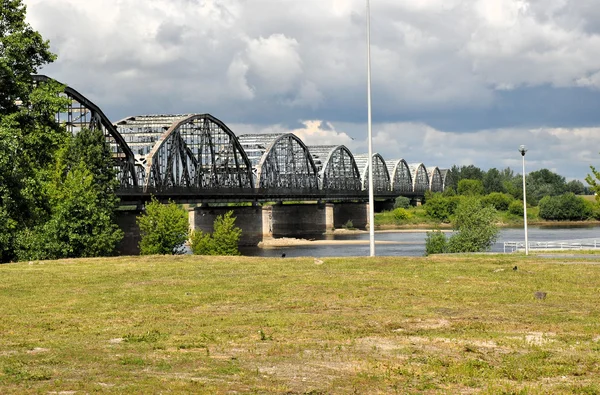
<point>522,150</point>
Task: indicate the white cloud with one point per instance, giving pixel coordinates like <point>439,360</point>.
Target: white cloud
<point>273,62</point>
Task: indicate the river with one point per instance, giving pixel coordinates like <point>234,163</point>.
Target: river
<point>413,243</point>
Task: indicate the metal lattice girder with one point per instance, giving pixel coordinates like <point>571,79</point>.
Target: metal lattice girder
<point>336,167</point>
<point>280,161</point>
<point>82,113</point>
<point>193,151</point>
<point>444,173</point>
<point>381,175</point>
<point>401,180</point>
<point>436,183</point>
<point>420,178</point>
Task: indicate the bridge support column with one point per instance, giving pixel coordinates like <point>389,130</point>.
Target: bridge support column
<point>299,220</point>
<point>248,219</point>
<point>358,213</point>
<point>267,222</point>
<point>329,217</point>
<point>131,232</point>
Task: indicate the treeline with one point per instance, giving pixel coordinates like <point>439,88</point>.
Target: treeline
<point>539,183</point>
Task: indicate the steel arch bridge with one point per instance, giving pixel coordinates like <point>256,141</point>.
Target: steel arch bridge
<point>197,157</point>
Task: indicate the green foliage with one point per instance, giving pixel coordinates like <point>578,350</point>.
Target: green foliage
<point>436,243</point>
<point>566,207</point>
<point>593,181</point>
<point>349,225</point>
<point>223,241</point>
<point>400,214</point>
<point>468,187</point>
<point>516,208</point>
<point>402,202</point>
<point>493,181</point>
<point>22,52</point>
<point>542,183</point>
<point>440,207</point>
<point>576,187</point>
<point>475,227</point>
<point>500,201</point>
<point>82,204</point>
<point>164,228</point>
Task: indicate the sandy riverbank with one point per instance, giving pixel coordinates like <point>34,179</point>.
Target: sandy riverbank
<point>290,241</point>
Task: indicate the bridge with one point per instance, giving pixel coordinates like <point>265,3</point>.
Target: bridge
<point>197,158</point>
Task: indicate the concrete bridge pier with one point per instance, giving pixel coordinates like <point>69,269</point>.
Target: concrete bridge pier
<point>254,221</point>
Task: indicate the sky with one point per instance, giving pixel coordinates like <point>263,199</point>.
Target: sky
<point>455,82</point>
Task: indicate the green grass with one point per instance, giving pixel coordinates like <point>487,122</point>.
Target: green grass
<point>442,324</point>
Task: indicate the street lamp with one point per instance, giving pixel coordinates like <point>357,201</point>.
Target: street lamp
<point>523,150</point>
<point>369,128</point>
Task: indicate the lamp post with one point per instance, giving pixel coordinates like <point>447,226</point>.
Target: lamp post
<point>369,128</point>
<point>523,150</point>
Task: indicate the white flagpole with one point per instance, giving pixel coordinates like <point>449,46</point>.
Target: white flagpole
<point>370,162</point>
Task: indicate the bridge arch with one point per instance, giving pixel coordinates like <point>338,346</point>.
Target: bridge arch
<point>420,178</point>
<point>194,151</point>
<point>436,182</point>
<point>280,161</point>
<point>381,176</point>
<point>83,113</point>
<point>401,180</point>
<point>336,168</point>
<point>445,178</point>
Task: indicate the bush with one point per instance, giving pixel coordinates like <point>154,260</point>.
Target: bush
<point>566,207</point>
<point>500,201</point>
<point>516,208</point>
<point>223,241</point>
<point>402,202</point>
<point>401,214</point>
<point>470,188</point>
<point>435,243</point>
<point>440,207</point>
<point>164,228</point>
<point>475,227</point>
<point>349,225</point>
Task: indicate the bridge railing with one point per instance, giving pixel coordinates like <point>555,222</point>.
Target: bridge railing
<point>578,244</point>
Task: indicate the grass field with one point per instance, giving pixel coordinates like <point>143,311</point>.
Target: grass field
<point>458,324</point>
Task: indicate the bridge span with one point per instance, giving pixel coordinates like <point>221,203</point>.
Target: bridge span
<point>198,158</point>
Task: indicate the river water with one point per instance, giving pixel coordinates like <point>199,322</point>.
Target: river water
<point>413,243</point>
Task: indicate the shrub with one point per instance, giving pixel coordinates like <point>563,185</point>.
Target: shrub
<point>223,241</point>
<point>164,228</point>
<point>349,225</point>
<point>435,243</point>
<point>516,207</point>
<point>401,214</point>
<point>402,202</point>
<point>470,188</point>
<point>500,201</point>
<point>440,207</point>
<point>475,227</point>
<point>566,207</point>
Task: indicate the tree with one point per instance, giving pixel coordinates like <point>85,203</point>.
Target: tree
<point>440,207</point>
<point>29,134</point>
<point>402,202</point>
<point>436,243</point>
<point>594,182</point>
<point>566,207</point>
<point>164,228</point>
<point>475,227</point>
<point>542,183</point>
<point>469,187</point>
<point>493,182</point>
<point>223,241</point>
<point>22,52</point>
<point>82,200</point>
<point>576,187</point>
<point>500,201</point>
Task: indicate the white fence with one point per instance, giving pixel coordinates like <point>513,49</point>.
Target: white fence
<point>580,244</point>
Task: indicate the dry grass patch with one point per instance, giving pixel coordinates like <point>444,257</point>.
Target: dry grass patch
<point>449,324</point>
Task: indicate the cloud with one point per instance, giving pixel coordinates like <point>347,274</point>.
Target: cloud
<point>453,81</point>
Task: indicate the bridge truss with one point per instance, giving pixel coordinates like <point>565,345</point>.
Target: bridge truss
<point>196,157</point>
